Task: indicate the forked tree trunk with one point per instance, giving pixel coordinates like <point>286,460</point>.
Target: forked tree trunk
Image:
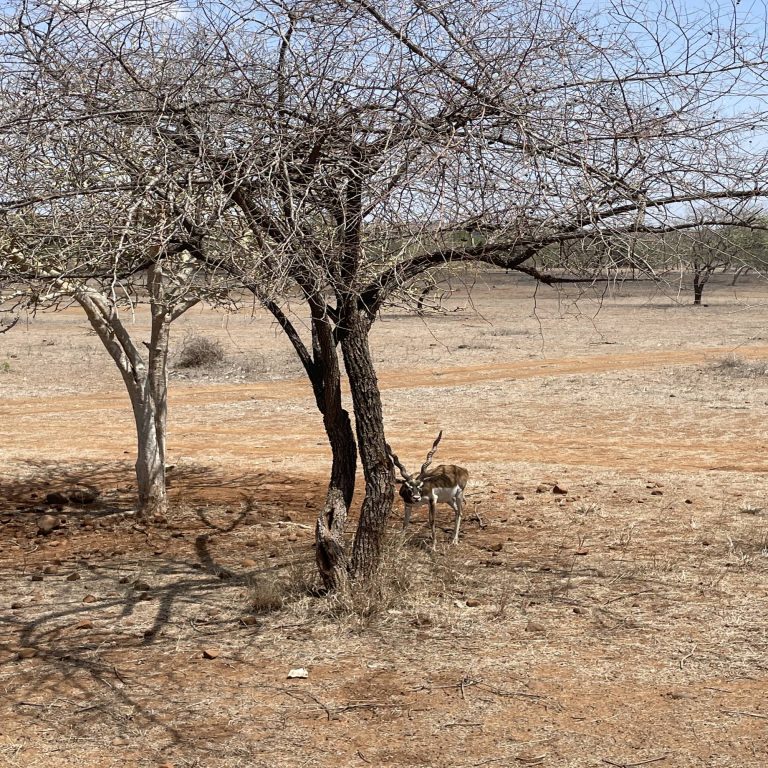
<point>701,275</point>
<point>323,370</point>
<point>145,381</point>
<point>377,468</point>
<point>330,553</point>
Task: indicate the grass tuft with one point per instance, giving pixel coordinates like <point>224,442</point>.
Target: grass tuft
<point>739,368</point>
<point>200,352</point>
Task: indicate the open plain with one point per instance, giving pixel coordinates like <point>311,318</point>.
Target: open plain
<point>621,622</point>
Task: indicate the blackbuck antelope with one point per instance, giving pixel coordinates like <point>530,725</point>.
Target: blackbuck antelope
<point>444,484</point>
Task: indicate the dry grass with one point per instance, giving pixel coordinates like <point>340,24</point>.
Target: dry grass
<point>739,368</point>
<point>527,628</point>
<point>200,352</point>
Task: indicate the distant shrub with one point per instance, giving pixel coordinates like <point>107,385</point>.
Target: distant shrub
<point>200,352</point>
<point>740,368</point>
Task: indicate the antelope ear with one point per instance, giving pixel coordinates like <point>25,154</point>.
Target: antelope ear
<point>399,480</point>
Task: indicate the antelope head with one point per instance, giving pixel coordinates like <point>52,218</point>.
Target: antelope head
<point>412,485</point>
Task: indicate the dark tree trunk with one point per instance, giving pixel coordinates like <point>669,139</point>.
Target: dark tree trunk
<point>698,288</point>
<point>701,275</point>
<point>330,552</point>
<point>323,370</point>
<point>377,468</point>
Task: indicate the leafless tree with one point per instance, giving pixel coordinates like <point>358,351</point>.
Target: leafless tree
<point>93,212</point>
<point>709,249</point>
<point>347,148</point>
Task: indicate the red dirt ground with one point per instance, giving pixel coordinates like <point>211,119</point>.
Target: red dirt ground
<point>622,623</point>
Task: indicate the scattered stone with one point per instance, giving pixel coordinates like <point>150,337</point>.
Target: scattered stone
<point>119,742</point>
<point>36,577</point>
<point>519,497</point>
<point>531,758</point>
<point>84,624</point>
<point>46,523</point>
<point>422,620</point>
<point>473,602</point>
<point>299,672</point>
<point>249,620</point>
<point>497,547</point>
<point>211,653</point>
<point>248,563</point>
<point>90,599</point>
<point>535,626</point>
<point>82,496</point>
<point>50,569</point>
<point>559,490</point>
<point>123,580</point>
<point>577,609</point>
<point>581,552</point>
<point>657,492</point>
<point>141,586</point>
<point>680,695</point>
<point>26,653</point>
<point>74,576</point>
<point>542,488</point>
<point>16,606</point>
<point>689,501</point>
<point>56,497</point>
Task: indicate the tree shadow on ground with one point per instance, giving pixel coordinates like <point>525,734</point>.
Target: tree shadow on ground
<point>93,640</point>
<point>113,483</point>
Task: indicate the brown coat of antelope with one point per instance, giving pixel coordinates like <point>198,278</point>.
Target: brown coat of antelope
<point>444,484</point>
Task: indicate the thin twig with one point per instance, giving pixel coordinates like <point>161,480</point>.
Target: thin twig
<point>119,676</point>
<point>687,656</point>
<point>746,714</point>
<point>632,765</point>
<point>629,594</point>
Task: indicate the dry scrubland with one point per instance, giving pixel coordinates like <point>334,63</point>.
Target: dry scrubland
<point>620,623</point>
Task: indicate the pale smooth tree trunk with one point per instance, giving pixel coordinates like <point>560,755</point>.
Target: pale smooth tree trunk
<point>150,455</point>
<point>146,381</point>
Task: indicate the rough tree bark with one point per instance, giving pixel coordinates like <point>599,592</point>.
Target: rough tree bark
<point>369,423</point>
<point>330,552</point>
<point>324,373</point>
